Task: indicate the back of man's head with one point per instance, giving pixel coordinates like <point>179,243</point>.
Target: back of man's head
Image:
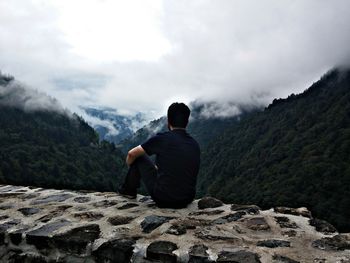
<point>178,114</point>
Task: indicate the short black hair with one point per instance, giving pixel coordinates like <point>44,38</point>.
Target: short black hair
<point>178,114</point>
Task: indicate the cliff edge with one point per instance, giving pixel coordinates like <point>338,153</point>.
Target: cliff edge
<point>46,225</point>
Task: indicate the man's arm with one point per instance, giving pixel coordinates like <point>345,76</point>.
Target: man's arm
<point>133,154</point>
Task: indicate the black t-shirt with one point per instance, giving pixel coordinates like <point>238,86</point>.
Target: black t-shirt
<point>177,159</point>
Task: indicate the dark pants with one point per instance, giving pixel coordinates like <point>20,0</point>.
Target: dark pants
<point>144,169</point>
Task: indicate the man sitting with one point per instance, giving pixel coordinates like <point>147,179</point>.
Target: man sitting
<point>171,181</point>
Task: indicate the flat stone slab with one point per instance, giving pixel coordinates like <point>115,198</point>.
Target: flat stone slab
<point>273,243</point>
<point>75,240</point>
<point>239,256</point>
<point>257,223</point>
<point>209,202</point>
<point>229,218</point>
<point>128,206</point>
<point>52,198</point>
<point>285,222</point>
<point>82,199</point>
<point>40,237</point>
<point>28,211</point>
<point>152,222</point>
<point>249,209</point>
<point>301,211</point>
<point>322,226</point>
<point>120,220</point>
<point>117,250</point>
<point>162,251</point>
<point>335,243</point>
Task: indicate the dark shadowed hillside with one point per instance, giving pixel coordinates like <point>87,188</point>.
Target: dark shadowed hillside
<point>296,153</point>
<point>51,148</point>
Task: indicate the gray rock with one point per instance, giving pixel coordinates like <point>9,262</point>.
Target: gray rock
<point>127,206</point>
<point>40,237</point>
<point>177,230</point>
<point>209,202</point>
<point>322,226</point>
<point>284,222</point>
<point>16,236</point>
<point>76,239</point>
<point>249,209</point>
<point>337,242</point>
<point>198,254</point>
<point>152,222</point>
<point>273,243</point>
<point>82,199</point>
<point>52,198</point>
<point>105,203</point>
<point>302,211</point>
<point>28,211</point>
<point>88,216</point>
<point>120,220</point>
<point>240,256</point>
<point>229,218</point>
<point>283,259</point>
<point>117,250</point>
<point>162,251</point>
<point>257,223</point>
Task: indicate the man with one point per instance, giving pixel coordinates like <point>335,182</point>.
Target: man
<point>171,181</point>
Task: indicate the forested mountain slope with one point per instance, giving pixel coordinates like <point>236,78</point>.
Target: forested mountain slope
<point>296,153</point>
<point>51,148</point>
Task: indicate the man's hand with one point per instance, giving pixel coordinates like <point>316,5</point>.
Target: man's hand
<point>133,154</point>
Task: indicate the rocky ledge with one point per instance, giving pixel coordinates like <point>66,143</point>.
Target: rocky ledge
<point>45,225</point>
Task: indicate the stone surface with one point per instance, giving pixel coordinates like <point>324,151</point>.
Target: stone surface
<point>238,256</point>
<point>75,240</point>
<point>272,243</point>
<point>162,251</point>
<point>198,254</point>
<point>285,222</point>
<point>120,220</point>
<point>116,250</point>
<point>209,202</point>
<point>40,237</point>
<point>301,211</point>
<point>229,218</point>
<point>177,230</point>
<point>257,223</point>
<point>82,199</point>
<point>88,227</point>
<point>127,206</point>
<point>51,198</point>
<point>322,225</point>
<point>152,222</point>
<point>337,242</point>
<point>249,209</point>
<point>28,211</point>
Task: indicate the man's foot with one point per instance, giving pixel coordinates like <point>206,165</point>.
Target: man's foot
<point>126,194</point>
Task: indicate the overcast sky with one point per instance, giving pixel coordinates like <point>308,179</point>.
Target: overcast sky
<point>142,55</point>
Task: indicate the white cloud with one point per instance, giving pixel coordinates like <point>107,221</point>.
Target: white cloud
<point>146,54</point>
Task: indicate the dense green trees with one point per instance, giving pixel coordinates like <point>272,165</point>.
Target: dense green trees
<point>53,149</point>
<point>294,153</point>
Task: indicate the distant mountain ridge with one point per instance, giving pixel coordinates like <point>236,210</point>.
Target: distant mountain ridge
<point>203,125</point>
<point>296,152</point>
<point>113,126</point>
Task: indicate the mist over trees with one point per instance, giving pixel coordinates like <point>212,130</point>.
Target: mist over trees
<point>294,153</point>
